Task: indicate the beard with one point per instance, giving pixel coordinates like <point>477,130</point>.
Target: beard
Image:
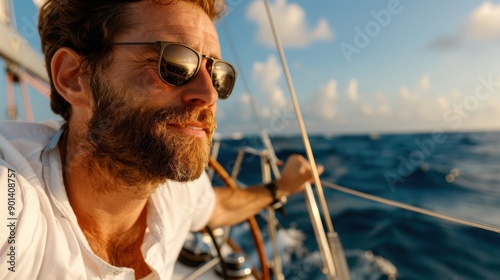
<point>135,144</point>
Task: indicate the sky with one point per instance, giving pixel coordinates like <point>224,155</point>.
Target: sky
<point>382,66</point>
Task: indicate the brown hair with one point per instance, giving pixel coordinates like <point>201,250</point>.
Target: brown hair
<point>88,27</point>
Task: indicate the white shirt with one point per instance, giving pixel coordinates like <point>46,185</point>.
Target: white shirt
<point>39,234</point>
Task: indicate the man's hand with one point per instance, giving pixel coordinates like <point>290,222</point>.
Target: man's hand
<point>236,205</point>
<point>296,172</point>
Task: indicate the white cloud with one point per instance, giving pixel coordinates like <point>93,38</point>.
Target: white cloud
<point>268,75</point>
<point>245,106</point>
<point>352,90</point>
<point>411,111</point>
<point>367,109</point>
<point>405,93</point>
<point>266,112</point>
<point>322,31</point>
<point>292,25</point>
<point>245,99</point>
<point>383,105</point>
<point>484,21</point>
<point>238,112</point>
<point>442,102</point>
<point>324,104</point>
<point>455,93</point>
<point>415,108</point>
<point>329,109</point>
<point>425,82</point>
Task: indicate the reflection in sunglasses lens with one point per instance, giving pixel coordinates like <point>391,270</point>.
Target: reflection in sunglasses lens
<point>178,64</point>
<point>223,79</point>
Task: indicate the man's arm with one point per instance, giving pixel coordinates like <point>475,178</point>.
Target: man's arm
<point>234,206</point>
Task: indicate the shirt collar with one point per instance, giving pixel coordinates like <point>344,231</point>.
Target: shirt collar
<point>54,182</point>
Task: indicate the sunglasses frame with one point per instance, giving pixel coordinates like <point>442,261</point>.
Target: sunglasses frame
<point>163,44</point>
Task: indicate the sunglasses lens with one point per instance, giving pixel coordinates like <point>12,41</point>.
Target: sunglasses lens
<point>178,64</point>
<point>223,78</point>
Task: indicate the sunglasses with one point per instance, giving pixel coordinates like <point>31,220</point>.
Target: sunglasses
<point>179,63</point>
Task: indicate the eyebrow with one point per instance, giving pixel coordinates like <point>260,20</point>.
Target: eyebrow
<point>149,48</point>
<point>150,44</point>
<point>156,44</point>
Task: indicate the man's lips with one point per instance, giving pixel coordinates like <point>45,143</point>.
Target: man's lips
<point>193,127</point>
<point>197,128</point>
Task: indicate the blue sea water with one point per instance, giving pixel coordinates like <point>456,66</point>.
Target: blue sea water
<point>457,174</point>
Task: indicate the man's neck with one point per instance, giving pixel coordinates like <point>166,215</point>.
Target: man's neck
<point>111,215</point>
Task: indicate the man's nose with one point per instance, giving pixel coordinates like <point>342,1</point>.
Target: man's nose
<point>201,91</point>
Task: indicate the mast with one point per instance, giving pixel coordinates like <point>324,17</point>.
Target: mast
<point>16,50</point>
<point>23,64</point>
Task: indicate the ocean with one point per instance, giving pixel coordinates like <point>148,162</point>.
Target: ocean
<point>457,174</point>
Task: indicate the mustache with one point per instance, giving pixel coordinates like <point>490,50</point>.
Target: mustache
<point>106,105</point>
<point>188,114</point>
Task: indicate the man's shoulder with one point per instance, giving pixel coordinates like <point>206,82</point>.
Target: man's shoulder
<point>26,137</point>
<point>21,144</point>
<point>12,130</point>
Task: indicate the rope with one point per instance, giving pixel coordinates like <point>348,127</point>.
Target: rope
<point>412,208</point>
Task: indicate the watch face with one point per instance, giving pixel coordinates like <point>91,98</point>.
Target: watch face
<point>283,199</point>
<point>279,199</point>
<point>278,195</point>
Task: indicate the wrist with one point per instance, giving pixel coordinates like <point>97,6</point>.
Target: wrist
<point>279,198</point>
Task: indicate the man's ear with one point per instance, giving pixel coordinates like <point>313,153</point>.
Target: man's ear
<point>68,78</point>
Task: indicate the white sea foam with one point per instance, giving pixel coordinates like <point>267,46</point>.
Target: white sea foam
<point>363,264</point>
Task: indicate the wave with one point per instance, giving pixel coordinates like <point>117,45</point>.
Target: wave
<point>458,176</point>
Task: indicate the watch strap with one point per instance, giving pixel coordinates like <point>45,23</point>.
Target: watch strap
<point>279,200</point>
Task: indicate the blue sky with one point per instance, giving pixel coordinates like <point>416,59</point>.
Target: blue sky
<point>371,66</point>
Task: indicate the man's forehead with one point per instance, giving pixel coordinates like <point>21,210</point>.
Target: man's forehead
<point>190,33</point>
<point>178,22</point>
<point>178,14</point>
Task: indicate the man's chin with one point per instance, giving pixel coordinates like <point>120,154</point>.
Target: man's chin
<point>185,174</point>
<point>185,162</point>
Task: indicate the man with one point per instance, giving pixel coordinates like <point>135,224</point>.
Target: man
<point>113,192</point>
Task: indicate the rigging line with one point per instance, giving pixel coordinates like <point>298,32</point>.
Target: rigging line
<point>264,135</point>
<point>324,245</point>
<point>243,76</point>
<point>412,208</point>
<point>300,120</point>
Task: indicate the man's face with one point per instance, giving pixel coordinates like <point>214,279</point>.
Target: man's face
<point>143,130</point>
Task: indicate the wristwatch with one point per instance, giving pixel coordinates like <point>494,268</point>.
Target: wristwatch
<point>279,200</point>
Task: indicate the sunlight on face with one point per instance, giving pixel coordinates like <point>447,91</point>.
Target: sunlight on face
<point>139,145</point>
